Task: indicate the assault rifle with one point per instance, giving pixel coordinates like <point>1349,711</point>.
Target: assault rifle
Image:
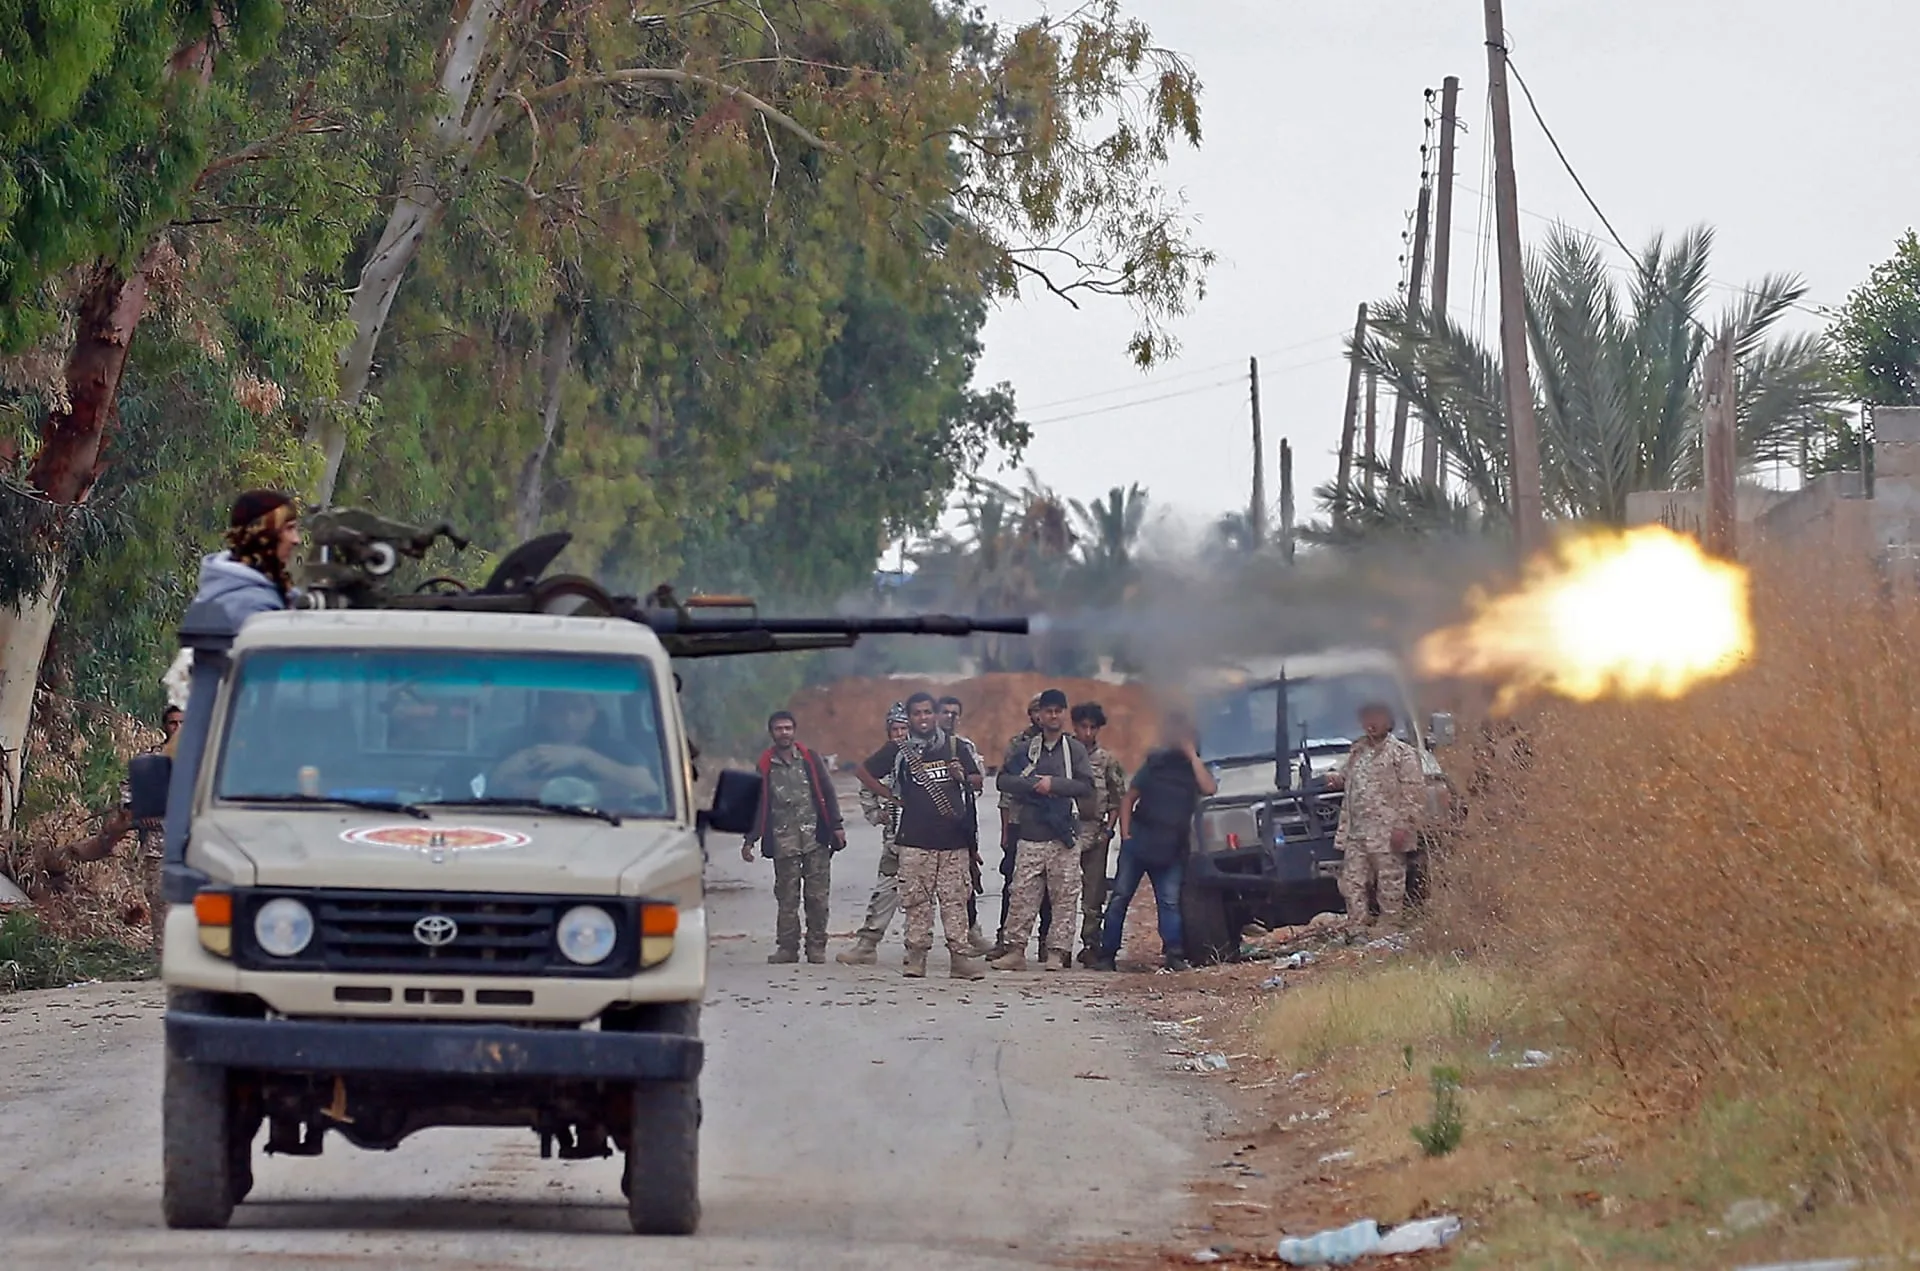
<point>357,555</point>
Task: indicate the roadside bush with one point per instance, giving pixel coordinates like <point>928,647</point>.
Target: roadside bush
<point>1722,894</point>
<point>32,957</point>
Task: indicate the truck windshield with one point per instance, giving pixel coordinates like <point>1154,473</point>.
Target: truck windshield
<point>445,725</point>
<point>1321,711</point>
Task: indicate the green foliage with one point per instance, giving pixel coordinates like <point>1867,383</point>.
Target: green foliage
<point>1617,383</point>
<point>1876,338</point>
<point>31,957</point>
<point>1441,1132</point>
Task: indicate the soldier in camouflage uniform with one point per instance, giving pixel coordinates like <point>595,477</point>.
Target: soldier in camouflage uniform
<point>799,829</point>
<point>884,903</point>
<point>1380,817</point>
<point>1010,843</point>
<point>1097,814</point>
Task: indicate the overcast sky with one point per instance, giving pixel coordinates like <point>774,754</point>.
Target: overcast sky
<point>1787,126</point>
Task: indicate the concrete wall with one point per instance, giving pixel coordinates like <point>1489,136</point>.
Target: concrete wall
<point>1685,511</point>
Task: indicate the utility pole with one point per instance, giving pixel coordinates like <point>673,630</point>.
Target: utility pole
<point>1344,480</point>
<point>1718,442</point>
<point>1442,254</point>
<point>1523,437</point>
<point>1414,280</point>
<point>1286,499</point>
<point>1373,435</point>
<point>1257,514</point>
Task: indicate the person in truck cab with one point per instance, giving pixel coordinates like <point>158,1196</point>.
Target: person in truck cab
<point>572,750</point>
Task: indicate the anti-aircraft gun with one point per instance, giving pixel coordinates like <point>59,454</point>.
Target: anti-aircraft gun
<point>432,858</point>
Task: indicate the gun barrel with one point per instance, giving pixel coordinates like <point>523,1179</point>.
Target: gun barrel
<point>667,622</point>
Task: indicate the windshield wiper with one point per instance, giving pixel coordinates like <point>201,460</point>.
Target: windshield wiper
<point>531,805</point>
<point>343,800</point>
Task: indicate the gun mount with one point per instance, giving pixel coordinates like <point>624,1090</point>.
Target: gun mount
<point>357,553</point>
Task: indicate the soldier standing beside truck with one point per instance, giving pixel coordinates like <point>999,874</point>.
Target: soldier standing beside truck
<point>1380,816</point>
<point>799,828</point>
<point>1097,816</point>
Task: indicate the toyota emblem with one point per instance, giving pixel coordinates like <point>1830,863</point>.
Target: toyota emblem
<point>436,931</point>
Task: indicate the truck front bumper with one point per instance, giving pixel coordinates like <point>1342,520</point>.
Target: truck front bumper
<point>470,1050</point>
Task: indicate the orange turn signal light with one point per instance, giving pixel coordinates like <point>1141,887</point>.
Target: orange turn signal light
<point>214,908</point>
<point>659,920</point>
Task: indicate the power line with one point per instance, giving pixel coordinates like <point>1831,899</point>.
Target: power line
<point>1645,273</point>
<point>1148,385</point>
<point>1237,380</point>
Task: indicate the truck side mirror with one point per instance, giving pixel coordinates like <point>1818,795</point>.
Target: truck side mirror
<point>1440,730</point>
<point>148,777</point>
<point>736,802</point>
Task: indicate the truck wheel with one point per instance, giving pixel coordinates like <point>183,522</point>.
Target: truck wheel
<point>1206,923</point>
<point>198,1187</point>
<point>662,1177</point>
<point>663,1159</point>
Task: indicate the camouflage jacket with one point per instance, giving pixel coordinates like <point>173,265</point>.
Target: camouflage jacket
<point>1385,791</point>
<point>1109,787</point>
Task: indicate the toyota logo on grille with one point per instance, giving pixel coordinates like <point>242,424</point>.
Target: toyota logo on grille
<point>436,930</point>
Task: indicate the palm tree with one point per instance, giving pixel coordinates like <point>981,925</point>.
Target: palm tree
<point>1109,529</point>
<point>1617,380</point>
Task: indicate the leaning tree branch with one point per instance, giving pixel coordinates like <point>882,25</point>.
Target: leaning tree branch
<point>671,75</point>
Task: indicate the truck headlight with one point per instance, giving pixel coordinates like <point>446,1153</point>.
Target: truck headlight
<point>587,935</point>
<point>283,927</point>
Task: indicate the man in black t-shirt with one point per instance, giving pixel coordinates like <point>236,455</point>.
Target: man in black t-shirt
<point>1156,821</point>
<point>933,776</point>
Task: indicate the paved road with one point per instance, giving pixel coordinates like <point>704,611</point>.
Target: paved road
<point>854,1119</point>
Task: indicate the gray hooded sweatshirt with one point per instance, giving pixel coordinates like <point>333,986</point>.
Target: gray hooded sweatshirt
<point>240,590</point>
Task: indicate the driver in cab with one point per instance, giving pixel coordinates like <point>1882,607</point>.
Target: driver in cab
<point>573,751</point>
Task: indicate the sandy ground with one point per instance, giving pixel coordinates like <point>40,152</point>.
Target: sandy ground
<point>854,1119</point>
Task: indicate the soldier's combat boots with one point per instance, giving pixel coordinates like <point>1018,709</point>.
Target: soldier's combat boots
<point>816,956</point>
<point>1011,960</point>
<point>967,968</point>
<point>914,967</point>
<point>864,953</point>
<point>977,940</point>
<point>1057,960</point>
<point>783,955</point>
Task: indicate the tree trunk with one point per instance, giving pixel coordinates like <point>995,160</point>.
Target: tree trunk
<point>451,145</point>
<point>24,630</point>
<point>71,440</point>
<point>555,354</point>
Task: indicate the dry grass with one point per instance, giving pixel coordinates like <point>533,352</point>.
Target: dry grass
<point>1709,910</point>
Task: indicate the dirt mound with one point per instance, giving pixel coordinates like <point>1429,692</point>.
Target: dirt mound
<point>848,717</point>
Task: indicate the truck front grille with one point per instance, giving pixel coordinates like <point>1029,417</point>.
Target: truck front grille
<point>491,936</point>
<point>435,933</point>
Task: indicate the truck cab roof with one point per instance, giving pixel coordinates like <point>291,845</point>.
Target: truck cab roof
<point>412,628</point>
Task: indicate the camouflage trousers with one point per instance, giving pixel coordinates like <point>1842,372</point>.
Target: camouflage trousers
<point>1385,871</point>
<point>929,878</point>
<point>1093,884</point>
<point>884,903</point>
<point>806,878</point>
<point>1044,871</point>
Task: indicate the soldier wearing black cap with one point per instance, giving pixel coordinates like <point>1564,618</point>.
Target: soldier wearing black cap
<point>1046,777</point>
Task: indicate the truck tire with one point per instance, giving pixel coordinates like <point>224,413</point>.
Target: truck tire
<point>1207,926</point>
<point>198,1186</point>
<point>662,1175</point>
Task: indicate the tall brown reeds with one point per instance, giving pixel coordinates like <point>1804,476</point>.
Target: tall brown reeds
<point>1721,894</point>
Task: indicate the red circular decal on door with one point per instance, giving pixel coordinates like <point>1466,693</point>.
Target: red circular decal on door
<point>436,838</point>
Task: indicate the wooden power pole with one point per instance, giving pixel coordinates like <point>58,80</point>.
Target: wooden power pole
<point>1719,441</point>
<point>1442,254</point>
<point>1373,432</point>
<point>1397,462</point>
<point>1257,514</point>
<point>1344,480</point>
<point>1286,498</point>
<point>1523,437</point>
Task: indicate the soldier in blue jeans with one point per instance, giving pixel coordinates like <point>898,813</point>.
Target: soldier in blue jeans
<point>1156,820</point>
